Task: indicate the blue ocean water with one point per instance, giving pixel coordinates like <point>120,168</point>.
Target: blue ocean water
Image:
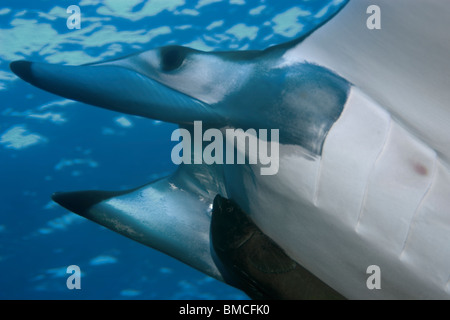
<point>50,144</point>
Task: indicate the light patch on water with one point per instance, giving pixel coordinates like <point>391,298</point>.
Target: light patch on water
<point>205,280</point>
<point>188,290</point>
<point>72,162</point>
<point>21,41</point>
<point>244,47</point>
<point>18,137</point>
<point>238,2</point>
<point>199,44</point>
<point>76,173</point>
<point>4,75</point>
<point>287,23</point>
<point>257,10</point>
<point>123,122</point>
<point>4,11</point>
<point>90,2</point>
<point>322,12</point>
<point>183,27</point>
<point>338,2</point>
<point>202,3</point>
<point>108,34</point>
<point>53,117</point>
<point>102,260</point>
<point>130,293</point>
<point>57,272</point>
<point>57,103</point>
<point>120,5</point>
<point>211,39</point>
<point>45,231</point>
<point>107,131</point>
<point>74,57</point>
<point>215,24</point>
<point>124,9</point>
<point>20,13</point>
<point>188,12</point>
<point>60,223</point>
<point>186,285</point>
<point>50,205</point>
<point>165,270</point>
<point>2,228</point>
<point>47,16</point>
<point>242,31</point>
<point>112,50</point>
<point>5,78</point>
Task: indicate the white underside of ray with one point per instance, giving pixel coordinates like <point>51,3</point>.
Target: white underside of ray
<point>404,66</point>
<point>377,196</point>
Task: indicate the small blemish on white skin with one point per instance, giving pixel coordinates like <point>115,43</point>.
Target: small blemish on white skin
<point>420,169</point>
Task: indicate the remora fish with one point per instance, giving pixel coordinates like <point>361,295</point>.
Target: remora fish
<point>363,175</point>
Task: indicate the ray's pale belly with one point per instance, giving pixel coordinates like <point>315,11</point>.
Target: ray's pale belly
<point>377,196</point>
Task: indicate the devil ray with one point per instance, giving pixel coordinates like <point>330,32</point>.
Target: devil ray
<point>364,142</point>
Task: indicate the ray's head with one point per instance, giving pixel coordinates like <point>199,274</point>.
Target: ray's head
<point>172,83</point>
<point>241,89</point>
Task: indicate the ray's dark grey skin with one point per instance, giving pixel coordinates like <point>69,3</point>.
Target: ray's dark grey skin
<point>258,265</point>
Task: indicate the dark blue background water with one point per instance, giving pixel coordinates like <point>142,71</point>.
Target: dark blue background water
<point>50,144</point>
